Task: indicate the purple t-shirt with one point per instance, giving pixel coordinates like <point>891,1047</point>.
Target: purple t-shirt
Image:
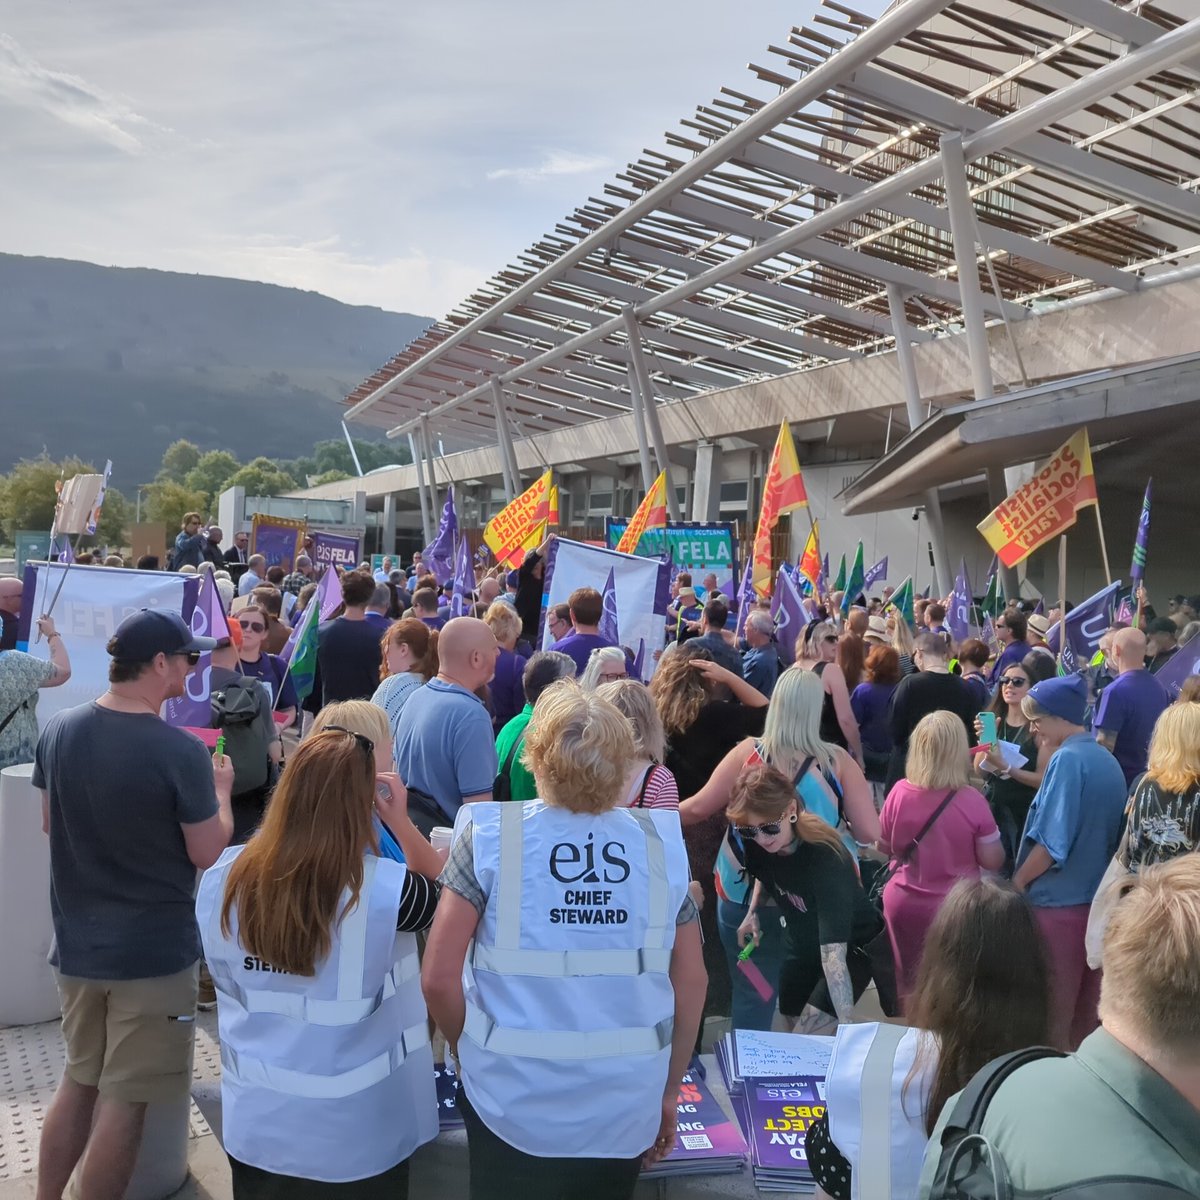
<point>580,646</point>
<point>507,686</point>
<point>1012,655</point>
<point>869,703</point>
<point>1129,707</point>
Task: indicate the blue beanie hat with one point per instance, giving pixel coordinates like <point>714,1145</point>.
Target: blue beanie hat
<point>1066,697</point>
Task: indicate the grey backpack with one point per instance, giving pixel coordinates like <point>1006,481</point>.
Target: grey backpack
<point>235,710</point>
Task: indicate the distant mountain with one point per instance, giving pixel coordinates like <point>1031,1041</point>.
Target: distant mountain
<point>109,362</point>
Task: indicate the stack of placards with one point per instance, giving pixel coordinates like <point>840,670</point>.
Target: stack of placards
<point>776,1082</point>
<point>707,1142</point>
<point>446,1082</point>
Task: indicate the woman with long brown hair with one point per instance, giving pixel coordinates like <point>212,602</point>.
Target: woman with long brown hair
<point>982,992</point>
<point>408,658</point>
<point>327,1081</point>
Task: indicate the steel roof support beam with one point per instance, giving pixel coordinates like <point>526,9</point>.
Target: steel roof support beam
<point>1121,23</point>
<point>1017,128</point>
<point>504,443</point>
<point>639,428</point>
<point>650,407</point>
<point>418,453</point>
<point>434,507</point>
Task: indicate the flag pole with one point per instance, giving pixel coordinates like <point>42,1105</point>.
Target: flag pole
<point>1062,596</point>
<point>1103,547</point>
<point>63,579</point>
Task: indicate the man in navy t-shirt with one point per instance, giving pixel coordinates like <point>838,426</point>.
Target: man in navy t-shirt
<point>586,606</point>
<point>1130,705</point>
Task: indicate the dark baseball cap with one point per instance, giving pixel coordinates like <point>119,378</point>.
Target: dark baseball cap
<point>152,631</point>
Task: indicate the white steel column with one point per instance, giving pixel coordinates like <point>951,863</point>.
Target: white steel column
<point>650,405</point>
<point>435,507</point>
<point>508,455</point>
<point>639,428</point>
<point>912,403</point>
<point>422,489</point>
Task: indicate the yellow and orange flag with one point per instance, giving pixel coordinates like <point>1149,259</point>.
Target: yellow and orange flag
<point>783,492</point>
<point>1045,506</point>
<point>651,514</point>
<point>810,561</point>
<point>521,526</point>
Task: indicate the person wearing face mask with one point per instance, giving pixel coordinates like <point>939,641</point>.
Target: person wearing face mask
<point>269,669</point>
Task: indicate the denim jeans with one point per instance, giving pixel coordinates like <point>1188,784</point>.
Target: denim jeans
<point>751,1011</point>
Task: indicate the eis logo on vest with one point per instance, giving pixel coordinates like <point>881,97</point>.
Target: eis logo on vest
<point>574,865</point>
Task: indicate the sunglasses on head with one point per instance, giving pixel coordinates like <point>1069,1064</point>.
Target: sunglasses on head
<point>368,746</point>
<point>1014,681</point>
<point>256,627</point>
<point>192,656</point>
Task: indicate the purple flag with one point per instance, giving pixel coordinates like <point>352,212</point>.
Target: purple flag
<point>1085,624</point>
<point>609,629</point>
<point>1039,609</point>
<point>958,618</point>
<point>988,633</point>
<point>1184,662</point>
<point>726,590</point>
<point>66,554</point>
<point>823,577</point>
<point>194,708</point>
<point>790,614</point>
<point>329,592</point>
<point>745,598</point>
<point>438,556</point>
<point>462,598</point>
<point>1137,572</point>
<point>876,573</point>
<point>639,662</point>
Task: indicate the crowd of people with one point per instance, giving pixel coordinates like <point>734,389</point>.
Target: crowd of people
<point>980,841</point>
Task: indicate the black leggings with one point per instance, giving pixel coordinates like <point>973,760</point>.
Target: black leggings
<point>251,1183</point>
<point>500,1171</point>
<point>802,981</point>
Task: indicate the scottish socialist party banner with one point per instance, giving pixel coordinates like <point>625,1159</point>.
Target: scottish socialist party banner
<point>639,590</point>
<point>94,601</point>
<point>701,547</point>
<point>1044,507</point>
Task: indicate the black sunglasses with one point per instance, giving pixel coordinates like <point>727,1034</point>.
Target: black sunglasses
<point>750,832</point>
<point>368,746</point>
<point>1014,680</point>
<point>192,656</point>
<point>256,627</point>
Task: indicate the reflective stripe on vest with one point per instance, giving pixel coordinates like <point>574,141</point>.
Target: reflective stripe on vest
<point>564,1043</point>
<point>247,1070</point>
<point>561,963</point>
<point>875,1090</point>
<point>323,1012</point>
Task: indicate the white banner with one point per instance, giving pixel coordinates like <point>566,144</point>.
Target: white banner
<point>94,601</point>
<point>641,591</point>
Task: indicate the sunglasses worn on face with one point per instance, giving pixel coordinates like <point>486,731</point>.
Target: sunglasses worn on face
<point>256,627</point>
<point>368,746</point>
<point>192,656</point>
<point>1014,681</point>
<point>750,832</point>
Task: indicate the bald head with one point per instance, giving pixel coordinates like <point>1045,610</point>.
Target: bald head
<point>10,595</point>
<point>467,652</point>
<point>1129,650</point>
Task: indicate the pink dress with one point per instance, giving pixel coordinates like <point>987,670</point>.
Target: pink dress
<point>946,854</point>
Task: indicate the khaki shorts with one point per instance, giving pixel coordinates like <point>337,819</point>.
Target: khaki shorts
<point>131,1038</point>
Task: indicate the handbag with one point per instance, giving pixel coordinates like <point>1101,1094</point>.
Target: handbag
<point>875,895</point>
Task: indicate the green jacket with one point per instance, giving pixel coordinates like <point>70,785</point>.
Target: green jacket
<point>523,787</point>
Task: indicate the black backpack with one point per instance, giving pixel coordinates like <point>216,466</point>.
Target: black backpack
<point>235,709</point>
<point>502,787</point>
<point>971,1168</point>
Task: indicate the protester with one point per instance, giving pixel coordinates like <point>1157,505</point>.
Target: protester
<point>526,1035</point>
<point>21,676</point>
<point>133,807</point>
<point>1010,790</point>
<point>712,635</point>
<point>507,693</point>
<point>385,570</point>
<point>270,600</point>
<point>980,993</point>
<point>686,611</point>
<point>650,784</point>
<point>869,703</point>
<point>587,606</point>
<point>760,663</point>
<point>1010,626</point>
<point>239,551</point>
<point>189,545</point>
<point>850,657</point>
<point>335,923</point>
<point>931,689</point>
<point>604,665</point>
<point>444,748</point>
<point>425,607</point>
<point>1164,806</point>
<point>528,596</point>
<point>253,576</point>
<point>902,642</point>
<point>149,562</point>
<point>832,932</point>
<point>829,785</point>
<point>1039,665</point>
<point>935,618</point>
<point>1130,705</point>
<point>543,668</point>
<point>347,648</point>
<point>957,838</point>
<point>377,609</point>
<point>558,621</point>
<point>1070,835</point>
<point>1052,1122</point>
<point>11,591</point>
<point>973,657</point>
<point>302,574</point>
<point>210,552</point>
<point>816,649</point>
<point>268,669</point>
<point>409,659</point>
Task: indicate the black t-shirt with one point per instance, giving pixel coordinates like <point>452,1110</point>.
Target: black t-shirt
<point>915,697</point>
<point>819,893</point>
<point>8,631</point>
<point>347,661</point>
<point>694,754</point>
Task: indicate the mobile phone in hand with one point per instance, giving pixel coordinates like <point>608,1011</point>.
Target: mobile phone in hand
<point>987,731</point>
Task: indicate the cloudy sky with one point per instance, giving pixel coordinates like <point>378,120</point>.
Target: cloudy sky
<point>380,151</point>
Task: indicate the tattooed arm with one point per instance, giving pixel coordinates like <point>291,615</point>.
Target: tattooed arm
<point>837,976</point>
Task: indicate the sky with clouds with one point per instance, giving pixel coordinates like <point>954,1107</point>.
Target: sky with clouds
<point>386,153</point>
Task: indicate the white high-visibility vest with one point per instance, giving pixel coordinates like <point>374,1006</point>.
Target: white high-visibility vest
<point>569,1004</point>
<point>328,1077</point>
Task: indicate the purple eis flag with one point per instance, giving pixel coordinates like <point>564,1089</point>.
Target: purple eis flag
<point>790,615</point>
<point>194,707</point>
<point>1137,570</point>
<point>745,597</point>
<point>463,595</point>
<point>876,573</point>
<point>1184,662</point>
<point>609,628</point>
<point>438,556</point>
<point>958,616</point>
<point>329,592</point>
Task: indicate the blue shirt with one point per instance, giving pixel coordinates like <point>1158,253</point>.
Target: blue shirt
<point>760,668</point>
<point>1129,707</point>
<point>1077,817</point>
<point>444,745</point>
<point>869,703</point>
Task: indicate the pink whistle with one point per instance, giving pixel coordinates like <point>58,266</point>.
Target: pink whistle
<point>758,981</point>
